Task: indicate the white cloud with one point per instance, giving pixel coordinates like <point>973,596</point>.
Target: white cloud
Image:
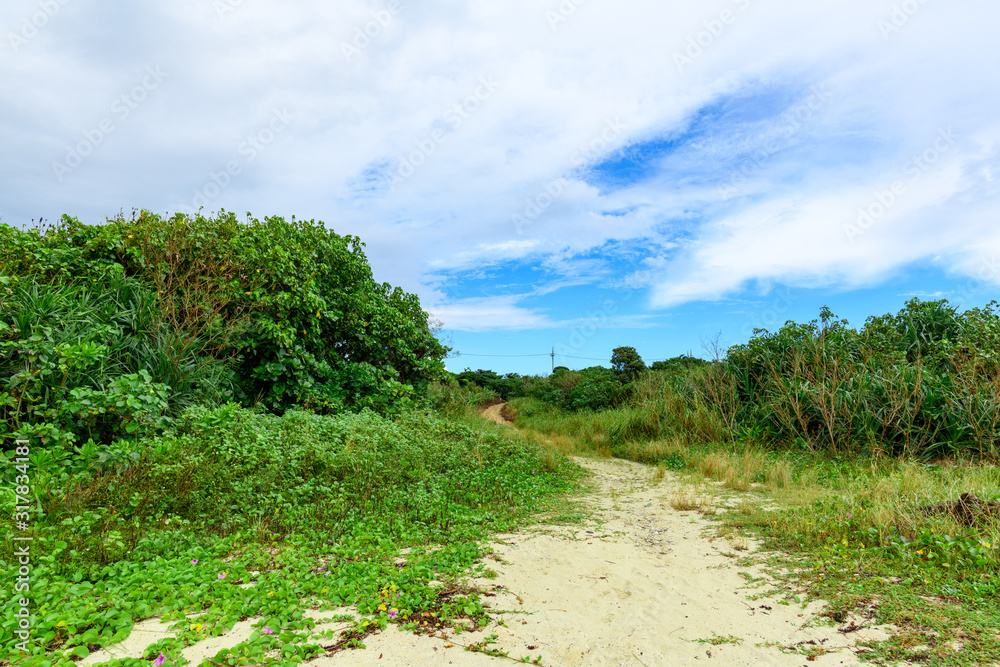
<point>489,313</point>
<point>556,92</point>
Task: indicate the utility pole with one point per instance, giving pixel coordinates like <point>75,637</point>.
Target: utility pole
<point>553,359</point>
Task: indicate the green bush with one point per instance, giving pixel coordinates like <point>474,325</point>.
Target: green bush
<point>265,311</point>
<point>92,360</point>
<point>923,382</point>
<point>594,388</point>
<point>506,386</point>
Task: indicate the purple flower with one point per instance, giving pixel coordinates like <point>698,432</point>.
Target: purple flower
<point>159,661</point>
<point>194,562</point>
<point>393,614</point>
<point>267,630</point>
<point>222,575</point>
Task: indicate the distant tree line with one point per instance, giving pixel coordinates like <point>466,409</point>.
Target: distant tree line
<point>593,388</point>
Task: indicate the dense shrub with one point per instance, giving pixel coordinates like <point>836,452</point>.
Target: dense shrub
<point>506,386</point>
<point>923,382</point>
<point>593,388</point>
<point>209,308</point>
<point>93,360</point>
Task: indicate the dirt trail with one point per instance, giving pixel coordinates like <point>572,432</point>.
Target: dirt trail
<point>493,413</point>
<point>637,582</point>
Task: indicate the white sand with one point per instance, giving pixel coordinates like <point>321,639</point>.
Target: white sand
<point>639,590</point>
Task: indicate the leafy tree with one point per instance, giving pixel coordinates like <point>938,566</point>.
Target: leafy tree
<point>627,363</point>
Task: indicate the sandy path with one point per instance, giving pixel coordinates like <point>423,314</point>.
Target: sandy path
<point>493,413</point>
<point>637,583</point>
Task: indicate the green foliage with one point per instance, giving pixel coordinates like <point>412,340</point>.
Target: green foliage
<point>176,525</point>
<point>269,311</point>
<point>594,388</point>
<point>91,360</point>
<point>678,365</point>
<point>922,382</point>
<point>129,354</point>
<point>459,400</point>
<point>506,386</point>
<point>627,363</point>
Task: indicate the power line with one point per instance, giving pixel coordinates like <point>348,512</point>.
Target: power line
<point>469,354</point>
<point>547,354</point>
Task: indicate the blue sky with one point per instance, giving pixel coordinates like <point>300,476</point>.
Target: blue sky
<point>543,173</point>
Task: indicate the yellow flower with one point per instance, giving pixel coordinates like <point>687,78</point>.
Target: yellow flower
<point>196,627</point>
<point>61,624</point>
<point>382,607</point>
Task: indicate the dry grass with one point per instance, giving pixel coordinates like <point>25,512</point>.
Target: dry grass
<point>735,480</point>
<point>688,497</point>
<point>714,466</point>
<point>684,499</point>
<point>779,475</point>
<point>562,444</point>
<point>737,542</point>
